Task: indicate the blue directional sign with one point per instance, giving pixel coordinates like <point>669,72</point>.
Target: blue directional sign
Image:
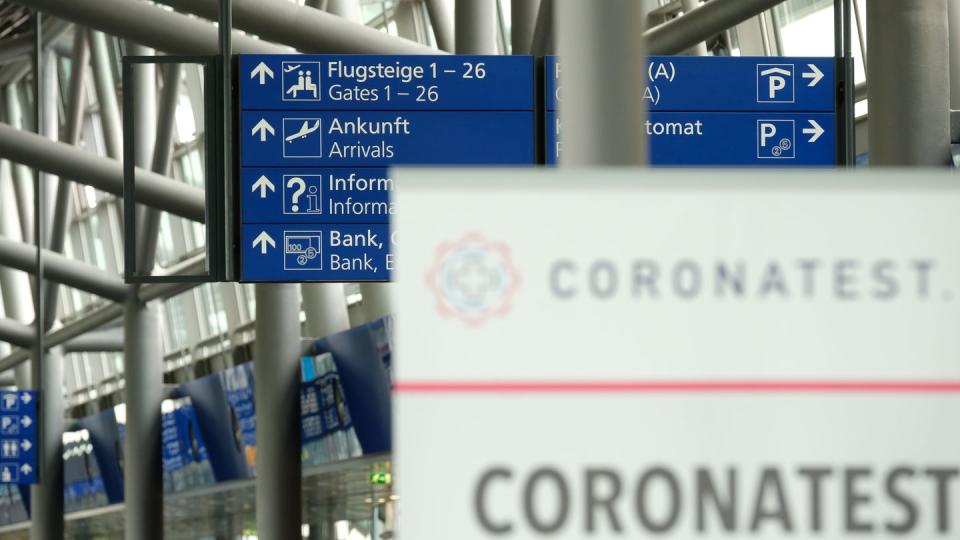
<point>727,111</point>
<point>728,139</point>
<point>18,437</point>
<point>331,195</point>
<point>381,138</point>
<point>318,133</point>
<point>387,83</point>
<point>727,83</point>
<point>288,252</point>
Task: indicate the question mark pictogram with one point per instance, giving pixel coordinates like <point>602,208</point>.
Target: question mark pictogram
<point>301,187</point>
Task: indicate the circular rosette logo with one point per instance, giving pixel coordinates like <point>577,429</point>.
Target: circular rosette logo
<point>473,279</point>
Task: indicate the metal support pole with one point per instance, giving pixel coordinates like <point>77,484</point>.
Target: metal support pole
<point>523,23</point>
<point>954,32</point>
<point>700,49</point>
<point>346,9</point>
<point>76,108</point>
<point>376,301</point>
<point>442,24</point>
<point>909,88</point>
<point>543,42</point>
<point>475,26</point>
<point>325,306</point>
<point>277,370</point>
<point>50,129</point>
<point>603,118</point>
<point>106,95</point>
<point>46,497</point>
<point>143,372</point>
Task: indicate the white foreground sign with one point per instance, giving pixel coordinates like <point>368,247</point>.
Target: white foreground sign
<point>672,354</point>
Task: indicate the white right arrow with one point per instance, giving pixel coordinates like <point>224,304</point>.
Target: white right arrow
<point>25,398</point>
<point>26,445</point>
<point>26,421</point>
<point>263,184</point>
<point>815,129</point>
<point>262,240</point>
<point>263,71</point>
<point>263,127</point>
<point>815,75</point>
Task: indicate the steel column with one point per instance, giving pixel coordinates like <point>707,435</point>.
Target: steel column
<point>475,26</point>
<point>63,270</point>
<point>106,95</point>
<point>700,49</point>
<point>302,27</point>
<point>543,42</point>
<point>102,173</point>
<point>909,87</point>
<point>277,370</point>
<point>602,116</point>
<point>376,301</point>
<point>677,35</point>
<point>523,23</point>
<point>142,472</point>
<point>46,509</point>
<point>954,33</point>
<point>442,24</point>
<point>50,129</point>
<point>325,306</point>
<point>76,108</point>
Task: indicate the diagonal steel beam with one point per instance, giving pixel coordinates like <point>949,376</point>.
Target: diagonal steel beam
<point>63,270</point>
<point>148,24</point>
<point>16,333</point>
<point>102,173</point>
<point>109,340</point>
<point>305,28</point>
<point>110,312</point>
<point>678,35</point>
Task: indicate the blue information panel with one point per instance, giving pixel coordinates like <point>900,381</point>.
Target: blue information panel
<point>732,139</point>
<point>735,111</point>
<point>18,437</point>
<point>727,83</point>
<point>318,133</point>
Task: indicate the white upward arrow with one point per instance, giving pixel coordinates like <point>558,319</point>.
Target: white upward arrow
<point>26,421</point>
<point>26,469</point>
<point>263,184</point>
<point>25,398</point>
<point>262,240</point>
<point>26,445</point>
<point>263,71</point>
<point>263,127</point>
<point>814,75</point>
<point>815,129</point>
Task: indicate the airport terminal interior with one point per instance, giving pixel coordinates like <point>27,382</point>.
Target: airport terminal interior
<point>160,382</point>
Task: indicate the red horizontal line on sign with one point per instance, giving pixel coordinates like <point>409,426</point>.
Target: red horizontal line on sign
<point>680,387</point>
